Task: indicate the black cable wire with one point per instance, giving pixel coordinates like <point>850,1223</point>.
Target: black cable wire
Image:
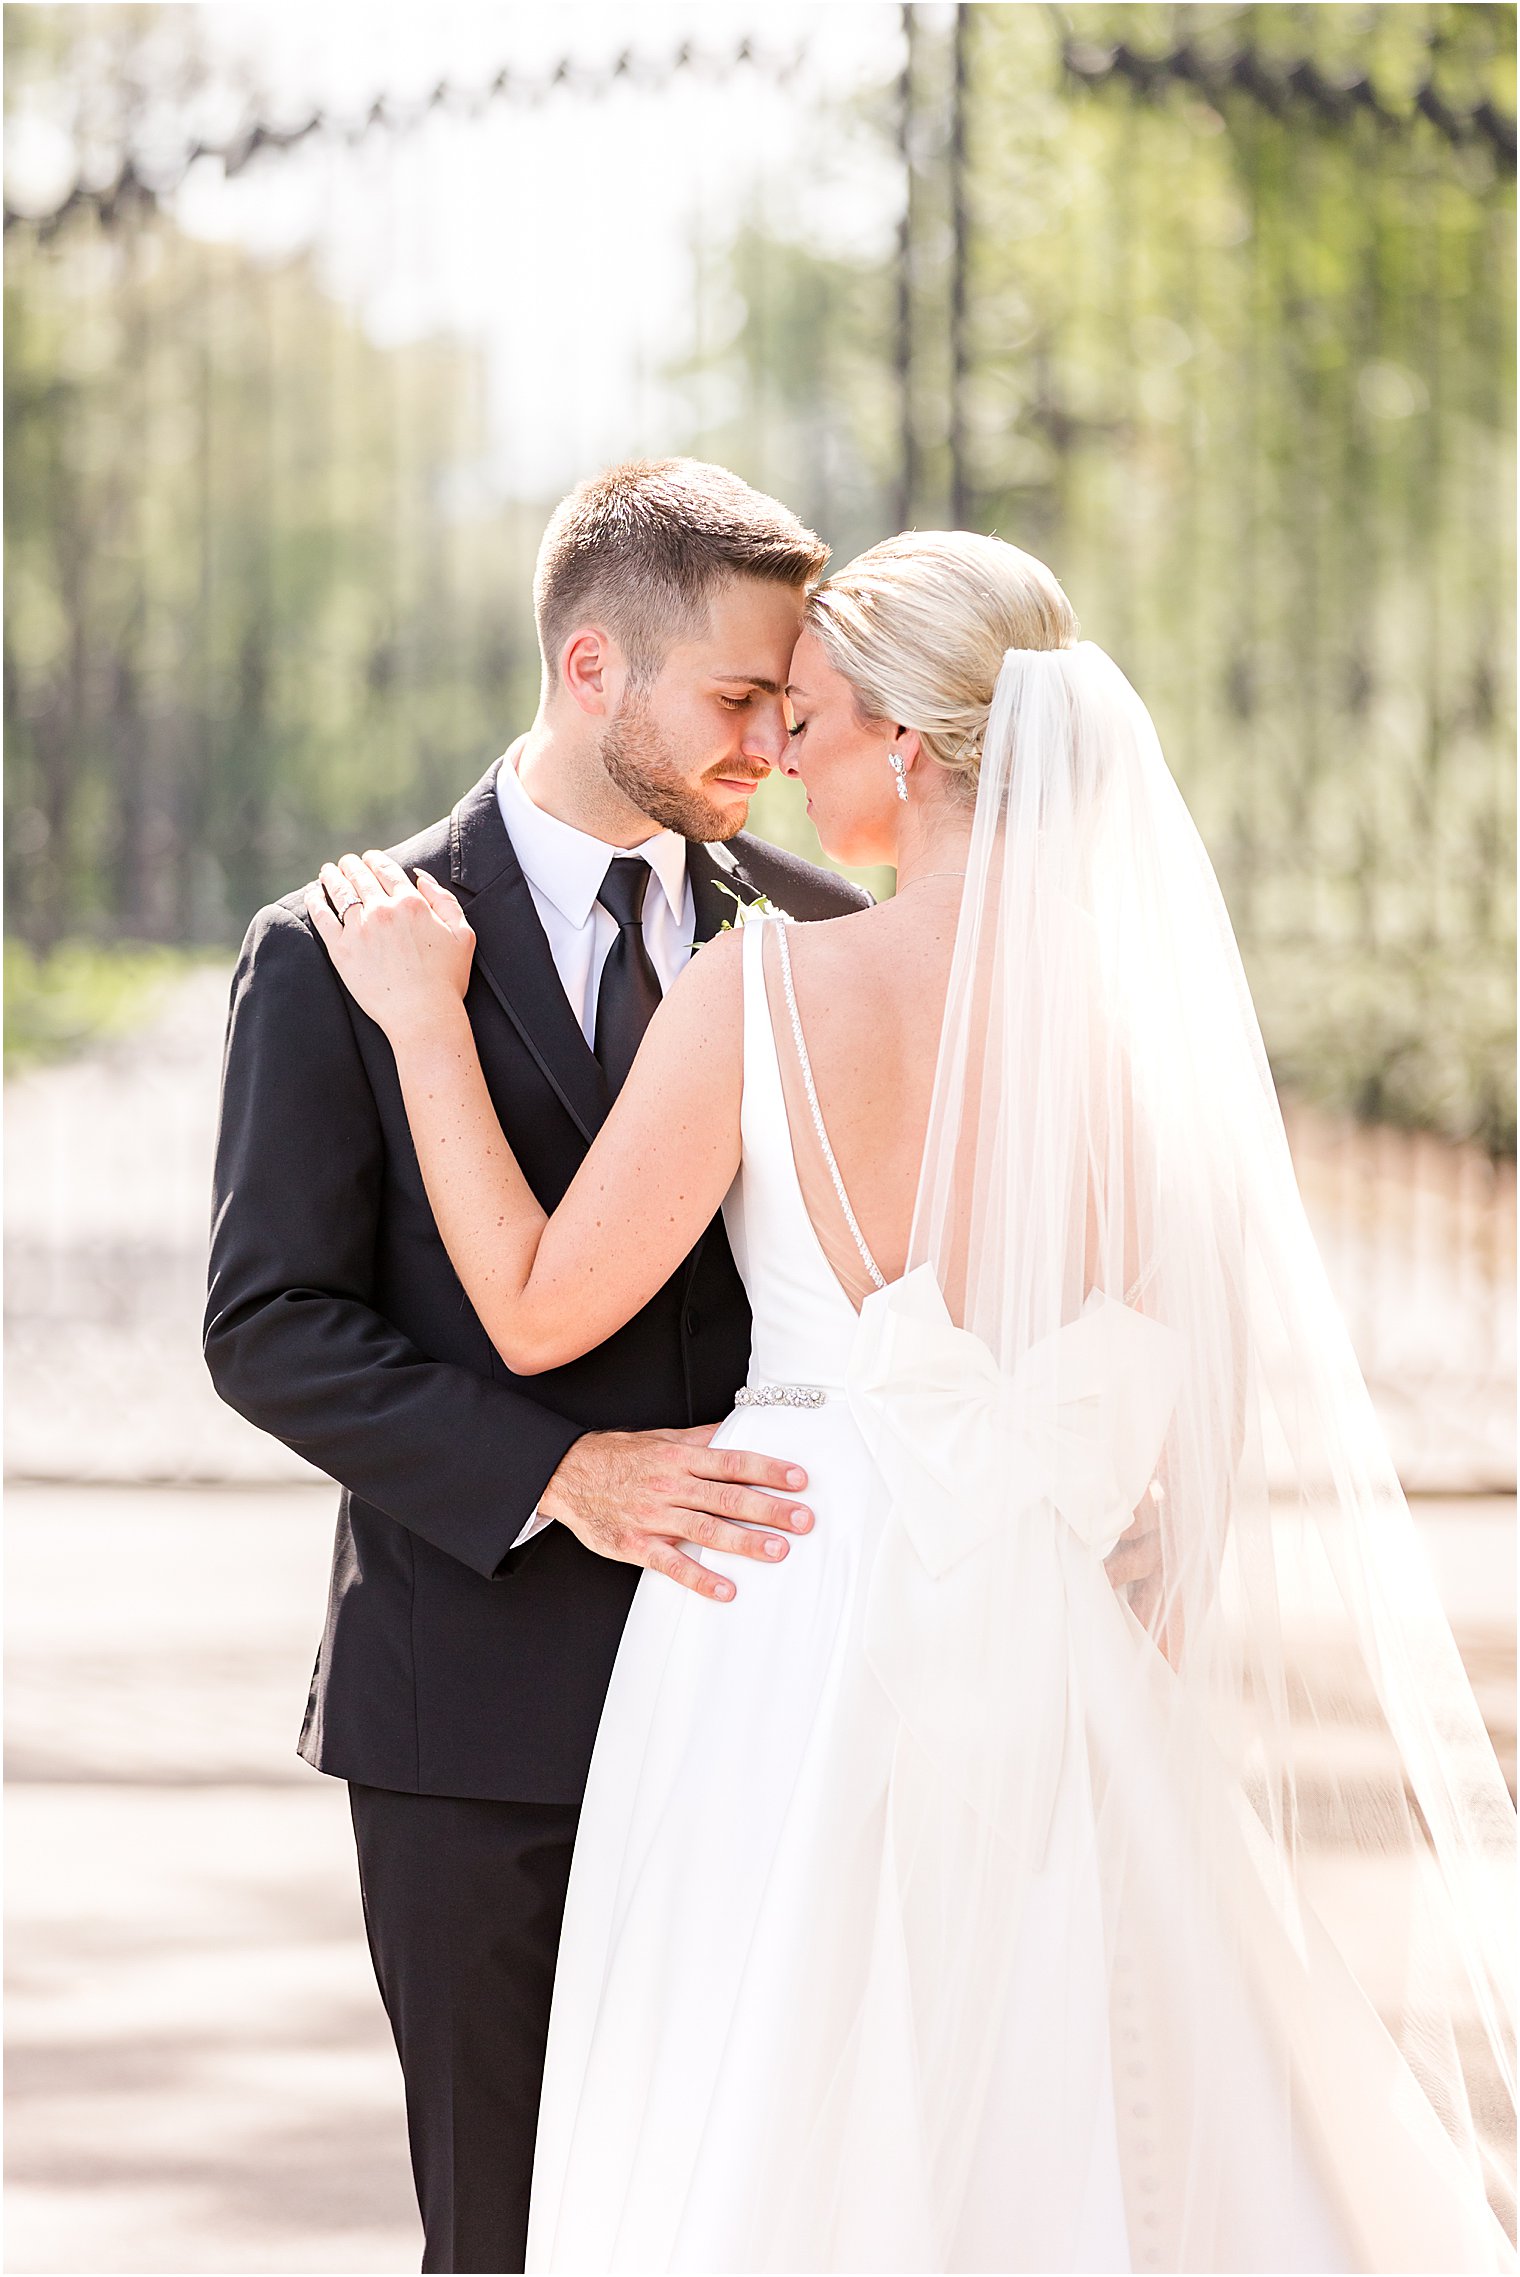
<point>1280,88</point>
<point>137,182</point>
<point>1277,88</point>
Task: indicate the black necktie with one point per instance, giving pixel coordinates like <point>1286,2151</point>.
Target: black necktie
<point>629,995</point>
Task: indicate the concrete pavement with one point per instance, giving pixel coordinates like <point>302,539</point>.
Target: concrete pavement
<point>200,2077</point>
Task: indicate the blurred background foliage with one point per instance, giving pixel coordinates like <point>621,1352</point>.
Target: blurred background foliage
<point>81,992</point>
<point>1212,307</point>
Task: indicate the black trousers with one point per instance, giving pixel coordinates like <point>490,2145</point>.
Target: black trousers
<point>462,1903</point>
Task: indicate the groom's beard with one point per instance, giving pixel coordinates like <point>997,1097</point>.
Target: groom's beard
<point>645,768</point>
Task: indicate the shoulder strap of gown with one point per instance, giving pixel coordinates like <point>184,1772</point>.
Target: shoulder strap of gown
<point>822,1186</point>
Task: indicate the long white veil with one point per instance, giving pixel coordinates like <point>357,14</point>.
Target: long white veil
<point>1260,1794</point>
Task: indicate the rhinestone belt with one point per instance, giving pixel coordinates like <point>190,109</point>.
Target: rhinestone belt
<point>783,1395</point>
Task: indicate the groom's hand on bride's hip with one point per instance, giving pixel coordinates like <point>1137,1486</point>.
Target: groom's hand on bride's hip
<point>638,1495</point>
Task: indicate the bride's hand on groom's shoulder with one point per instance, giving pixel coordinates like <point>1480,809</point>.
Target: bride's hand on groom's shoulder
<point>402,951</point>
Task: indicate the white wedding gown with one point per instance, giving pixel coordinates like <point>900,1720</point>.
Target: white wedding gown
<point>735,2076</point>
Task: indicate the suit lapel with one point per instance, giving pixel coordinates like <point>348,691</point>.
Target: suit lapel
<point>512,954</point>
<point>513,958</point>
<point>716,875</point>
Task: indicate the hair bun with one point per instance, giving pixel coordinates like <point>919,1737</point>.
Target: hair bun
<point>920,625</point>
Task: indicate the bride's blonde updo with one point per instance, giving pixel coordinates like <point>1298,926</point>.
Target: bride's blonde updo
<point>919,625</point>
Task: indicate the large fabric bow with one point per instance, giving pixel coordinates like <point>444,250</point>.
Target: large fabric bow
<point>1008,1488</point>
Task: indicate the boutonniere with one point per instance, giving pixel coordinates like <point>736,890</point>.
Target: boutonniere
<point>746,912</point>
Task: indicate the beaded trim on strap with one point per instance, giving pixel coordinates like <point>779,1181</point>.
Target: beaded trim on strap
<point>806,1064</point>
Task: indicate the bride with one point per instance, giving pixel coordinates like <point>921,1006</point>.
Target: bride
<point>935,1906</point>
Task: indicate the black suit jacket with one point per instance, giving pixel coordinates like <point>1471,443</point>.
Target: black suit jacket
<point>450,1663</point>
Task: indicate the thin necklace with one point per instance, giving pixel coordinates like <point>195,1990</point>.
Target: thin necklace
<point>928,874</point>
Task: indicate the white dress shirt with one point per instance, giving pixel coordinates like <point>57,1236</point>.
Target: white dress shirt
<point>564,868</point>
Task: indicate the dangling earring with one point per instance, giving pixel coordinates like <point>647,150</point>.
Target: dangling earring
<point>900,770</point>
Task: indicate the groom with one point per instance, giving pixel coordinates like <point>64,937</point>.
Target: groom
<point>491,1531</point>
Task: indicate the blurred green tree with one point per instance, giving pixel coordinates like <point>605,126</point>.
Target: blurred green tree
<point>1211,306</point>
<point>1237,358</point>
<point>247,606</point>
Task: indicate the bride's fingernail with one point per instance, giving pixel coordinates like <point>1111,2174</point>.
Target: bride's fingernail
<point>796,1478</point>
<point>802,1519</point>
<point>774,1549</point>
<point>723,1589</point>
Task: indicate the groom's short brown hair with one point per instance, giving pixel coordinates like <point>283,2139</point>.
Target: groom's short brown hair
<point>642,546</point>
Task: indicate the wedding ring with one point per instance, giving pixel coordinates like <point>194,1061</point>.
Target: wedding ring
<point>342,908</point>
